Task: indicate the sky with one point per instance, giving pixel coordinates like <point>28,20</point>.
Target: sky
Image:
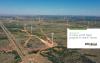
<point>50,7</point>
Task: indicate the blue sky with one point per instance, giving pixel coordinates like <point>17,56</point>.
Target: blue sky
<point>50,7</point>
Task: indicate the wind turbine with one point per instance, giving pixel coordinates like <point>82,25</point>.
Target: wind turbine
<point>47,41</point>
<point>29,35</point>
<point>88,22</point>
<point>25,57</point>
<point>24,28</point>
<point>52,36</point>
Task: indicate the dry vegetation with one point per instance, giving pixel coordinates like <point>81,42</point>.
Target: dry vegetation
<point>59,54</point>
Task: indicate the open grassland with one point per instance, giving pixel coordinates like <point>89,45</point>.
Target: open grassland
<point>57,54</point>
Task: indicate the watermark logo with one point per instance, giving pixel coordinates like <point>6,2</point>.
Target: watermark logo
<point>83,38</point>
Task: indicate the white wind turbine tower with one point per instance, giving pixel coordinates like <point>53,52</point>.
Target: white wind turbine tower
<point>29,35</point>
<point>88,23</point>
<point>31,29</point>
<point>47,41</point>
<point>40,20</point>
<point>67,24</point>
<point>24,26</point>
<point>52,36</point>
